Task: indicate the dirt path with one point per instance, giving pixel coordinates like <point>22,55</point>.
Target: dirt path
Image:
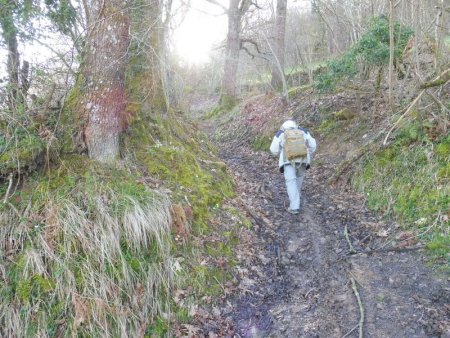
<point>295,274</point>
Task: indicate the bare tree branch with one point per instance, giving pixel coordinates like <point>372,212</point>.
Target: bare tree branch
<point>253,42</point>
<point>255,3</point>
<point>248,52</point>
<point>259,55</point>
<point>217,3</point>
<point>58,54</point>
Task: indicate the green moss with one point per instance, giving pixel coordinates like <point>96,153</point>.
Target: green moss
<point>42,284</point>
<point>438,245</point>
<point>409,134</point>
<point>159,328</point>
<point>242,221</point>
<point>294,91</point>
<point>261,142</point>
<point>444,171</point>
<point>210,280</point>
<point>443,149</point>
<point>407,182</point>
<point>344,114</point>
<point>219,249</point>
<point>23,291</point>
<point>171,152</point>
<point>22,152</point>
<point>327,125</point>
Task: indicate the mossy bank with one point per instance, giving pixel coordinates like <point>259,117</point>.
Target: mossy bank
<point>89,249</point>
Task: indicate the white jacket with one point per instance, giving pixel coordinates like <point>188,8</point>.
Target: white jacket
<point>278,140</point>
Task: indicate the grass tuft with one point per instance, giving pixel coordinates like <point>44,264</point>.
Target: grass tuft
<point>88,257</point>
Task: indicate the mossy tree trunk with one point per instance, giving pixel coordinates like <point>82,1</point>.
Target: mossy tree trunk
<point>103,100</point>
<point>147,72</point>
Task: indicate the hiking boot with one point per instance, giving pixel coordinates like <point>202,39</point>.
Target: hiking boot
<point>293,211</point>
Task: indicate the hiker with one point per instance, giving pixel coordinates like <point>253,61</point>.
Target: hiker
<point>295,146</point>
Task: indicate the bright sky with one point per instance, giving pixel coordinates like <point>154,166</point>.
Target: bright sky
<point>203,28</point>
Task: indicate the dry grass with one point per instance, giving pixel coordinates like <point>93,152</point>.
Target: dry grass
<point>88,268</point>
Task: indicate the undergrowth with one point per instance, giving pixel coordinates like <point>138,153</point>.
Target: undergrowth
<point>88,252</point>
<point>178,155</point>
<point>89,248</point>
<point>410,181</point>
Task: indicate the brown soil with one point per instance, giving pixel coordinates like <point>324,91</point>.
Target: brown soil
<point>300,269</point>
<point>294,272</point>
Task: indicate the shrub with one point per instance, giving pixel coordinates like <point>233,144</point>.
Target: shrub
<point>372,49</point>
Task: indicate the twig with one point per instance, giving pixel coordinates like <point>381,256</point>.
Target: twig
<point>411,106</point>
<point>349,332</point>
<point>436,100</point>
<point>361,308</point>
<point>10,179</point>
<point>369,252</point>
<point>255,217</point>
<point>220,284</point>
<point>352,249</point>
<point>307,294</point>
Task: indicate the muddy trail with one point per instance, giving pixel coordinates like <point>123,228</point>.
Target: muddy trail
<point>334,270</point>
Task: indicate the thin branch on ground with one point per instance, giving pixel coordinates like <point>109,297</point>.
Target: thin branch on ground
<point>349,332</point>
<point>253,215</point>
<point>352,249</point>
<point>444,109</point>
<point>370,252</point>
<point>361,307</point>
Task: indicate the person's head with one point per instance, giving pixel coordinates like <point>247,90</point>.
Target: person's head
<point>289,124</point>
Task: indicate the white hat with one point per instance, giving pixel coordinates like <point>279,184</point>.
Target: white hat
<point>289,124</point>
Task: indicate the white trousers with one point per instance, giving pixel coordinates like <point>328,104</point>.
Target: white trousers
<point>294,179</point>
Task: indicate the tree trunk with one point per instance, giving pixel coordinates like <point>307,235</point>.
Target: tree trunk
<point>9,30</point>
<point>280,33</point>
<point>391,54</point>
<point>439,35</point>
<point>228,95</point>
<point>103,101</point>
